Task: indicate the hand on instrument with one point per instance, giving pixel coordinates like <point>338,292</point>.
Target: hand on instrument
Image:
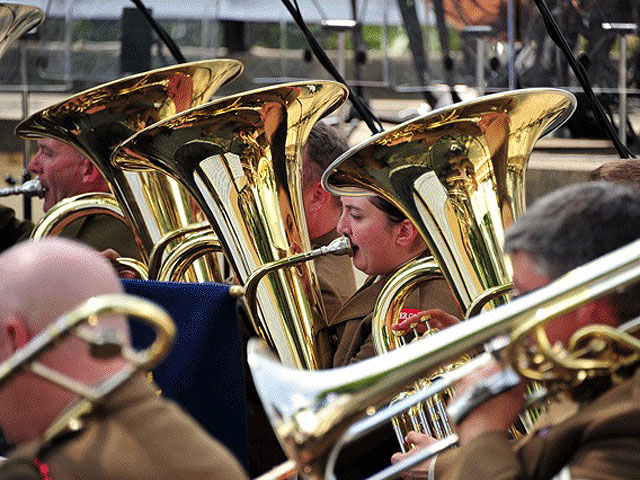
<point>420,441</point>
<point>422,321</point>
<point>494,415</point>
<point>113,257</point>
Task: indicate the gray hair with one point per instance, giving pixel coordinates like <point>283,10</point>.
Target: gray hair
<point>577,224</point>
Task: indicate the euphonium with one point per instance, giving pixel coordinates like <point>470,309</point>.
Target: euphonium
<point>241,158</point>
<point>97,120</point>
<point>102,344</point>
<point>314,414</point>
<point>458,174</point>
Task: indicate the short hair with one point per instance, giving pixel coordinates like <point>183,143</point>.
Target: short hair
<point>577,224</point>
<point>626,171</point>
<point>323,146</point>
<point>393,213</point>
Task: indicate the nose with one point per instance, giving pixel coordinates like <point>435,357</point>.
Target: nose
<point>34,164</point>
<point>343,224</point>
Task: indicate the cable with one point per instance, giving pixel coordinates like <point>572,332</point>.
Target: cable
<point>161,32</point>
<point>556,35</point>
<point>367,115</point>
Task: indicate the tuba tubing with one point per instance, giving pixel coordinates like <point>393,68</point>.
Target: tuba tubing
<point>30,188</point>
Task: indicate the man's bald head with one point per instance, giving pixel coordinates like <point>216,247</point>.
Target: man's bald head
<point>39,282</point>
<point>42,280</point>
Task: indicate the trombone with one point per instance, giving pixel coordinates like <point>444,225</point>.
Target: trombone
<point>314,414</point>
<point>103,344</point>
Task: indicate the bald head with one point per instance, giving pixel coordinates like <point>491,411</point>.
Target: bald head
<point>42,280</point>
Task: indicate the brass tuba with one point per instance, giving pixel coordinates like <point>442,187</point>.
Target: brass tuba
<point>97,120</point>
<point>15,20</point>
<point>314,414</point>
<point>458,174</point>
<point>241,159</point>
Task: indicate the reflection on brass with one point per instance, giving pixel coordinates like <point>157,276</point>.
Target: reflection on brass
<point>315,414</point>
<point>15,20</point>
<point>97,120</point>
<point>241,159</point>
<point>458,175</point>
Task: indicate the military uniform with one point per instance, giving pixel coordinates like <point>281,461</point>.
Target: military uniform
<point>335,275</point>
<point>132,434</point>
<point>349,332</point>
<point>97,231</point>
<point>103,231</point>
<point>601,441</point>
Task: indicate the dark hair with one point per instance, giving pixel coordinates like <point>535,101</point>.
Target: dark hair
<point>394,214</point>
<point>323,146</point>
<point>577,224</point>
<point>625,171</point>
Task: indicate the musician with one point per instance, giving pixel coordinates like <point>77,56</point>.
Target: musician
<point>322,211</point>
<point>560,232</point>
<point>65,172</point>
<point>132,432</point>
<point>383,240</point>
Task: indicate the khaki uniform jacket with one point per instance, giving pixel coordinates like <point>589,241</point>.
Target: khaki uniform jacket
<point>349,332</point>
<point>600,442</point>
<point>103,231</point>
<point>97,231</point>
<point>335,276</point>
<point>134,434</point>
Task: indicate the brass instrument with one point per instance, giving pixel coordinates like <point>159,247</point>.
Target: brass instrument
<point>102,345</point>
<point>30,188</point>
<point>314,414</point>
<point>241,159</point>
<point>15,20</point>
<point>71,209</point>
<point>458,174</point>
<point>97,120</point>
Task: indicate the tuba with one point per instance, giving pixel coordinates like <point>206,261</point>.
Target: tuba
<point>15,20</point>
<point>458,174</point>
<point>97,120</point>
<point>241,159</point>
<point>314,414</point>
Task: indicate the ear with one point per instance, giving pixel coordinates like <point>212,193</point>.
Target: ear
<point>16,332</point>
<point>319,198</point>
<point>90,173</point>
<point>407,233</point>
<point>599,311</point>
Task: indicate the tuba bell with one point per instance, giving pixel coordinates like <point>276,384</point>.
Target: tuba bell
<point>241,159</point>
<point>15,20</point>
<point>97,120</point>
<point>458,174</point>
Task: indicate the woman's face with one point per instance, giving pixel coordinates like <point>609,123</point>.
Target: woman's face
<point>373,236</point>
